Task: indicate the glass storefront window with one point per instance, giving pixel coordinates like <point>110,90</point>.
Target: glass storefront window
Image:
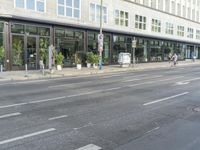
<point>31,30</point>
<point>44,31</point>
<point>121,44</point>
<point>17,28</point>
<point>18,51</point>
<point>1,26</point>
<point>69,42</point>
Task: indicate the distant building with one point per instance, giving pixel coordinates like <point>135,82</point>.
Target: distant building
<point>160,27</point>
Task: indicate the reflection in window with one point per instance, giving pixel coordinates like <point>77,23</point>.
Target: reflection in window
<point>30,4</point>
<point>37,5</point>
<point>121,18</point>
<point>19,3</point>
<point>69,8</point>
<point>95,10</point>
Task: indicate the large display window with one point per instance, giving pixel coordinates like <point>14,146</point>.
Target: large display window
<point>69,42</point>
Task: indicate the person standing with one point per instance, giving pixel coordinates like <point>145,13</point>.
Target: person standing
<point>169,57</point>
<point>175,58</point>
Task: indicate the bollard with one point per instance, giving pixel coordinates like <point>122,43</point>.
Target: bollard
<point>43,70</point>
<point>26,70</point>
<point>1,68</point>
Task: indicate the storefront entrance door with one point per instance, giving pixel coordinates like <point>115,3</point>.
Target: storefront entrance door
<point>31,53</point>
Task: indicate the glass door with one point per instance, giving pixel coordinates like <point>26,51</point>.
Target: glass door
<point>18,52</point>
<point>31,53</point>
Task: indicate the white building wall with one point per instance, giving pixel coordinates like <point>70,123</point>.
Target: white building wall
<point>7,8</point>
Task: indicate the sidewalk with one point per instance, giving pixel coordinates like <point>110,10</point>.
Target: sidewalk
<point>36,74</point>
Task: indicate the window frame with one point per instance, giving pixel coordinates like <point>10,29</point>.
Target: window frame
<point>73,8</point>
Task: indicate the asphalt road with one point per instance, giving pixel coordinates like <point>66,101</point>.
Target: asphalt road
<point>144,110</point>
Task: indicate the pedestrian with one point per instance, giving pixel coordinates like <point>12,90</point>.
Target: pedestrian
<point>175,58</point>
<point>169,57</point>
<point>193,57</point>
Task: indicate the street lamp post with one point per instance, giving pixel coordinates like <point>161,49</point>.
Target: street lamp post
<point>100,41</point>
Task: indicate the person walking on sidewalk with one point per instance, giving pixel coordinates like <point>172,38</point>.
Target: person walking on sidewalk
<point>170,57</point>
<point>175,58</point>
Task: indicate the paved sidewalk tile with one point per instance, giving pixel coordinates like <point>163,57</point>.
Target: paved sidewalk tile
<point>36,74</point>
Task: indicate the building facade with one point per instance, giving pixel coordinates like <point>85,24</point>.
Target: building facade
<point>160,27</point>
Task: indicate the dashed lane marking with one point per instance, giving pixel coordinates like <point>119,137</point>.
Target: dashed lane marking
<point>166,98</point>
<point>10,115</point>
<point>90,147</point>
<point>26,136</point>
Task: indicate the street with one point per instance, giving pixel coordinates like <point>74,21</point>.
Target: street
<point>157,109</point>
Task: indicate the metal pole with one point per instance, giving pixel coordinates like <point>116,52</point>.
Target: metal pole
<point>134,53</point>
<point>1,68</point>
<point>100,51</point>
<point>26,70</point>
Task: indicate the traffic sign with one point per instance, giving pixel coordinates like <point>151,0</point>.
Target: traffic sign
<point>134,42</point>
<point>100,41</point>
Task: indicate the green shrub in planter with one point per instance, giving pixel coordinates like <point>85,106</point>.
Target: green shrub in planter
<point>89,57</point>
<point>77,58</point>
<point>2,54</point>
<point>95,59</point>
<point>59,59</point>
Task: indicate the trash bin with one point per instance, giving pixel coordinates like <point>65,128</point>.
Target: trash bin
<point>124,59</point>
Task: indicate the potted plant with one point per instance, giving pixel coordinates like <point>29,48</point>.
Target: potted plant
<point>17,52</point>
<point>2,56</point>
<point>89,59</point>
<point>43,52</point>
<point>59,60</point>
<point>78,60</point>
<point>95,60</point>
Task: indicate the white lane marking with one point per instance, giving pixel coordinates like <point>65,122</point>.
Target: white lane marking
<point>90,124</point>
<point>26,136</point>
<point>46,100</point>
<point>87,93</point>
<point>182,83</point>
<point>69,84</point>
<point>90,147</point>
<point>171,78</point>
<point>189,80</point>
<point>24,82</point>
<point>152,130</point>
<point>111,76</point>
<point>58,117</point>
<point>33,102</point>
<point>10,115</point>
<point>111,89</point>
<point>143,78</point>
<point>13,105</point>
<point>166,98</point>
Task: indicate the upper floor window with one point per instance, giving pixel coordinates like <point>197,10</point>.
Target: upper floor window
<point>180,31</point>
<point>198,34</point>
<point>121,18</point>
<point>37,5</point>
<point>169,28</point>
<point>140,22</point>
<point>95,11</point>
<point>69,8</point>
<point>156,25</point>
<point>190,33</point>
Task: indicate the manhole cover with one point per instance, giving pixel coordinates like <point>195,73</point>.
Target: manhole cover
<point>197,109</point>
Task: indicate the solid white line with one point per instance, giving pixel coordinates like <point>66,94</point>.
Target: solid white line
<point>26,136</point>
<point>143,78</point>
<point>111,76</point>
<point>59,117</point>
<point>10,115</point>
<point>152,130</point>
<point>111,89</point>
<point>69,84</point>
<point>23,82</point>
<point>189,80</point>
<point>166,98</point>
<point>171,78</point>
<point>87,93</point>
<point>46,100</point>
<point>90,147</point>
<point>13,105</point>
